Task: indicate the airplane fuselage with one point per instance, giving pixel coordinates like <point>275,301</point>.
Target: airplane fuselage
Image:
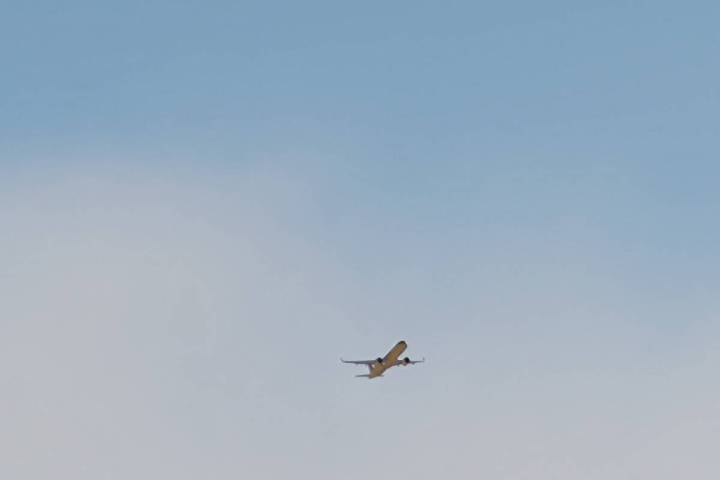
<point>378,368</point>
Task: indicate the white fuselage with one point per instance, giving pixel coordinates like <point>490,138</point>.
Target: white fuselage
<point>378,368</point>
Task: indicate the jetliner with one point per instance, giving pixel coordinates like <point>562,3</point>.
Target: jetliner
<point>380,365</point>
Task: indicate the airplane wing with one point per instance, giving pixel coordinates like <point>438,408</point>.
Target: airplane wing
<point>359,362</point>
<point>408,361</point>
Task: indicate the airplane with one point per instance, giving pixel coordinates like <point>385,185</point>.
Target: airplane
<point>380,365</point>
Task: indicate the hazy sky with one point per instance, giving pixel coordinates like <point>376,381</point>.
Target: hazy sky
<point>204,205</point>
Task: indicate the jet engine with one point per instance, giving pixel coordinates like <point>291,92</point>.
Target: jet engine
<point>379,360</point>
<point>406,360</point>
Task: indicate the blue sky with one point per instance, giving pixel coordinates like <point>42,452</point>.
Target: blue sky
<point>205,205</point>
